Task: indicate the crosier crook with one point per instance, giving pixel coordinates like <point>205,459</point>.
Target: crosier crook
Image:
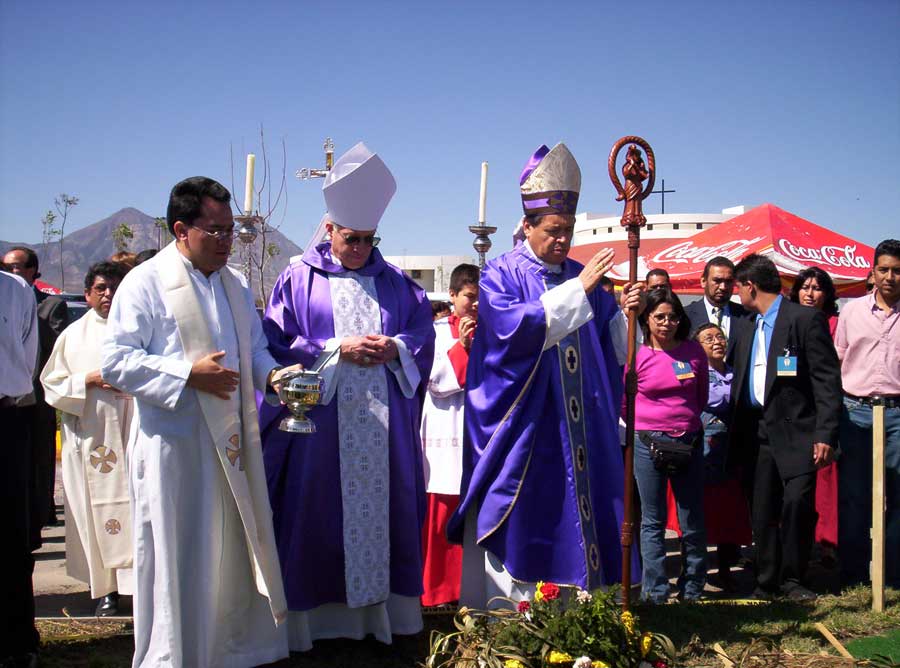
<point>633,218</point>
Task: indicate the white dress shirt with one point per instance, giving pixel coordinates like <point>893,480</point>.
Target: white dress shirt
<point>18,336</point>
<point>726,315</point>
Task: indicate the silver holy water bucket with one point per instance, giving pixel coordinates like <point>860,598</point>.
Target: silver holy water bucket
<point>300,392</point>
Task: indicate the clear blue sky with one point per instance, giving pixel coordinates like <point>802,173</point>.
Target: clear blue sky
<point>794,103</point>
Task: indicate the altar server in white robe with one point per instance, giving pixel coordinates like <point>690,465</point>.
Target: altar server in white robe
<point>442,436</point>
<point>95,419</point>
<point>184,339</point>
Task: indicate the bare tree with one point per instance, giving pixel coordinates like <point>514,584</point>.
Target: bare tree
<point>48,228</point>
<point>258,255</point>
<point>121,237</point>
<point>63,203</point>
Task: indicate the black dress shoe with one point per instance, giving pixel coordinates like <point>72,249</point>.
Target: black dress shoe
<point>761,594</point>
<point>108,605</point>
<point>797,593</point>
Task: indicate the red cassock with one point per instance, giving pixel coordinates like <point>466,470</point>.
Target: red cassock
<point>725,512</point>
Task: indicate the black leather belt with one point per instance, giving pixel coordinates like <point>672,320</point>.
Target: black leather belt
<point>889,401</point>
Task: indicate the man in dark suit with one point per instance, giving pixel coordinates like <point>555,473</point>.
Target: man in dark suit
<point>786,397</point>
<point>53,318</point>
<point>716,306</point>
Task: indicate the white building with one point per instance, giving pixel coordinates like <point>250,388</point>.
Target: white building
<point>431,272</point>
<point>603,228</point>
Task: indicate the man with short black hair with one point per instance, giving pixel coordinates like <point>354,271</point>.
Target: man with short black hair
<point>53,318</point>
<point>95,419</point>
<point>786,401</point>
<point>716,306</point>
<point>185,341</point>
<point>658,278</point>
<point>442,434</point>
<point>868,343</point>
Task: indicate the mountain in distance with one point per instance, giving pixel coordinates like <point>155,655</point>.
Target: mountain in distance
<point>95,242</point>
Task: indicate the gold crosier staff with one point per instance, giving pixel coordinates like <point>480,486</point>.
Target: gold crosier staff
<point>635,173</point>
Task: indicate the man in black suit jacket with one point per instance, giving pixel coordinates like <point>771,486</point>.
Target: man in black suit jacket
<point>53,318</point>
<point>786,397</point>
<point>716,306</point>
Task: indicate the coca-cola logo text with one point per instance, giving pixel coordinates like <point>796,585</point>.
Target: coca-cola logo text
<point>686,251</point>
<point>836,256</point>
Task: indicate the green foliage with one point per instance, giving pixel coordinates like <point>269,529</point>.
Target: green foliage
<point>48,227</point>
<point>554,630</point>
<point>121,237</point>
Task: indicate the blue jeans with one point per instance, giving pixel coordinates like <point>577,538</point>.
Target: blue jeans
<point>688,489</point>
<point>855,493</point>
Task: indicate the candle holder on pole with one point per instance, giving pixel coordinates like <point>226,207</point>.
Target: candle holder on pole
<point>634,193</point>
<point>247,229</point>
<point>482,243</point>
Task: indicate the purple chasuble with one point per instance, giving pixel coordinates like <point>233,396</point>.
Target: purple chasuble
<point>303,471</point>
<point>518,463</point>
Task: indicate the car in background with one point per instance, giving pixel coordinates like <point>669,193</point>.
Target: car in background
<point>75,305</point>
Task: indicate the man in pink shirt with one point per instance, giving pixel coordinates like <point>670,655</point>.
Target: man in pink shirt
<point>868,344</point>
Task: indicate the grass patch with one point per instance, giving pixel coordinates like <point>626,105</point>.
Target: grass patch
<point>694,628</point>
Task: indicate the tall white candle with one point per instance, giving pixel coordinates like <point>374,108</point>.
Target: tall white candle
<point>482,202</point>
<point>248,191</point>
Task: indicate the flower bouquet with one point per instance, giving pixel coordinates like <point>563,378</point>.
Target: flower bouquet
<point>577,629</point>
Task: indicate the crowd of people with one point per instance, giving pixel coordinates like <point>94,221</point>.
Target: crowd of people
<point>457,456</point>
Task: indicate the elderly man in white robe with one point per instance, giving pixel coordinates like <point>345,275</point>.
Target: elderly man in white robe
<point>95,419</point>
<point>184,339</point>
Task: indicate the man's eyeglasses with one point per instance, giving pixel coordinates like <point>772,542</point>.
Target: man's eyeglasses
<point>101,288</point>
<point>712,339</point>
<point>660,318</point>
<point>354,239</point>
<point>218,235</point>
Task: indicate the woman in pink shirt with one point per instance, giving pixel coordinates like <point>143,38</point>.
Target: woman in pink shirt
<point>672,391</point>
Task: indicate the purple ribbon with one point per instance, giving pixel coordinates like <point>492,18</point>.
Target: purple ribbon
<point>533,162</point>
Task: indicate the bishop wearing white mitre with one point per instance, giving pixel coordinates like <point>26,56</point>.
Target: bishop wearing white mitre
<point>184,339</point>
<point>95,419</point>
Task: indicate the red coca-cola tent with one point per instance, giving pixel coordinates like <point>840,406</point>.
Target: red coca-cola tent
<point>791,242</point>
<point>46,287</point>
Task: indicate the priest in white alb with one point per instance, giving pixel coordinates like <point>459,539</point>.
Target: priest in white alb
<point>184,339</point>
<point>95,419</point>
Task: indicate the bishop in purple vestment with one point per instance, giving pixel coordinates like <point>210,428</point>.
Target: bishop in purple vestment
<point>542,490</point>
<point>348,501</point>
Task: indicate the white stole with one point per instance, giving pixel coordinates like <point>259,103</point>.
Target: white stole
<point>236,437</point>
<point>362,409</point>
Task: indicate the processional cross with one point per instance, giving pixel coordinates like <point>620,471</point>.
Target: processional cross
<point>308,173</point>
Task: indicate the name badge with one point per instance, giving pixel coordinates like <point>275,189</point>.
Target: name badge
<point>683,370</point>
<point>787,366</point>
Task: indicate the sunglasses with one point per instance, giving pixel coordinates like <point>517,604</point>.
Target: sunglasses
<point>354,239</point>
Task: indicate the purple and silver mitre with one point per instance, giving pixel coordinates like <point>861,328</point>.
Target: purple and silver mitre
<point>551,182</point>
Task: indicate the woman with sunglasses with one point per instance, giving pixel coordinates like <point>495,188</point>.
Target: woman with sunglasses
<point>672,391</point>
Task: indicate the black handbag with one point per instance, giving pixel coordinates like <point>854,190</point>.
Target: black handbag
<point>670,454</point>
